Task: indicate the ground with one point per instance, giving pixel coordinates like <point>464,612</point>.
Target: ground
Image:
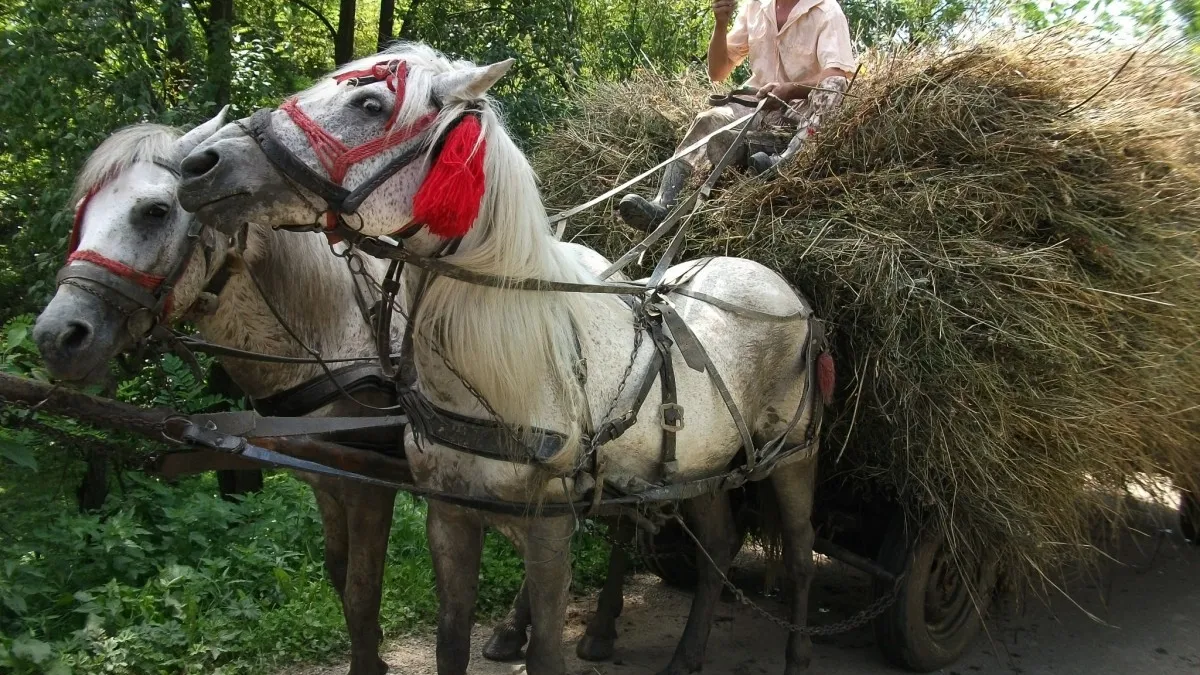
<point>1145,603</point>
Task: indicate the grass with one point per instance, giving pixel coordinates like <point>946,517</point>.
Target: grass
<point>172,579</point>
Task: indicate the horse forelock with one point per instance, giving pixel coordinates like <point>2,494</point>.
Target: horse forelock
<point>424,62</point>
<point>121,150</point>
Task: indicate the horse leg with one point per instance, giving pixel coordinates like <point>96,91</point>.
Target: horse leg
<point>598,642</point>
<point>509,636</point>
<point>369,521</point>
<point>711,518</point>
<point>548,575</point>
<point>337,542</point>
<point>456,545</point>
<point>794,485</point>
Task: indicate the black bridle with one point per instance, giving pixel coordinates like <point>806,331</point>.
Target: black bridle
<point>144,299</point>
<point>336,158</point>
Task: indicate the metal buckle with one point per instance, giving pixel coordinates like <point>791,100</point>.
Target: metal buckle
<point>673,427</point>
<point>140,322</point>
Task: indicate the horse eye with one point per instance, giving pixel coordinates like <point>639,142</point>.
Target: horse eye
<point>155,212</point>
<point>369,105</point>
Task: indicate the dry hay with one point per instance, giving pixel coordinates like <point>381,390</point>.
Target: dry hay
<point>1005,248</point>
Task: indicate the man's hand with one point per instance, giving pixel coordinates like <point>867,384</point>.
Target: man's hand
<point>788,91</point>
<point>723,11</point>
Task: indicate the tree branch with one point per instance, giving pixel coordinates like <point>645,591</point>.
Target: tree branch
<point>317,13</point>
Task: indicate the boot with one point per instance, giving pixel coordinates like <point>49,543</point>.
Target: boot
<point>761,163</point>
<point>644,214</point>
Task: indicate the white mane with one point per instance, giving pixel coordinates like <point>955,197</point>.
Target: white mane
<point>126,147</point>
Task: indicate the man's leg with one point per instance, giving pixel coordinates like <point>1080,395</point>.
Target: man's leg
<point>643,213</point>
<point>820,102</point>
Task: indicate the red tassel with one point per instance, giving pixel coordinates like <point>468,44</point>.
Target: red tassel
<point>449,199</point>
<point>826,377</point>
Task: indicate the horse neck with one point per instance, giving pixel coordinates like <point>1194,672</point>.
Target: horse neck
<point>312,291</point>
<point>518,349</point>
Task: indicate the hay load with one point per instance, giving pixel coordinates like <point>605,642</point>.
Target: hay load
<point>1006,248</point>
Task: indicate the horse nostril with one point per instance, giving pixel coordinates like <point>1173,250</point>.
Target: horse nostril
<point>197,164</point>
<point>75,336</point>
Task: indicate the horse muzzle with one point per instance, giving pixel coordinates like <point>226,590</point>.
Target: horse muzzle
<point>227,177</point>
<point>77,334</point>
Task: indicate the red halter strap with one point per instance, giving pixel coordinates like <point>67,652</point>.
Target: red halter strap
<point>150,282</point>
<point>334,155</point>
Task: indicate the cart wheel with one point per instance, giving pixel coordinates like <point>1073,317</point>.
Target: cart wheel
<point>670,555</point>
<point>1189,516</point>
<point>935,618</point>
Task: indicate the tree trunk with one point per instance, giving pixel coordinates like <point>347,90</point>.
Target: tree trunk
<point>408,25</point>
<point>219,35</point>
<point>93,489</point>
<point>178,49</point>
<point>387,22</point>
<point>343,46</point>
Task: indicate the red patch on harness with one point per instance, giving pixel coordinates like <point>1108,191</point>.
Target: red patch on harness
<point>826,377</point>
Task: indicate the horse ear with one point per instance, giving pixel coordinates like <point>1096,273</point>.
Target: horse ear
<point>193,138</point>
<point>469,84</point>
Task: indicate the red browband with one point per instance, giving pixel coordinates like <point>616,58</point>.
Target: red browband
<point>150,282</point>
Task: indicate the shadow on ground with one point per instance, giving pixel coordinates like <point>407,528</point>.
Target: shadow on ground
<point>1144,607</point>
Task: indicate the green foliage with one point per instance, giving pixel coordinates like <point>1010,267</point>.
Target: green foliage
<point>174,579</point>
<point>1128,18</point>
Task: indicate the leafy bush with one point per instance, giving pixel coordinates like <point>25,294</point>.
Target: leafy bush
<point>174,579</point>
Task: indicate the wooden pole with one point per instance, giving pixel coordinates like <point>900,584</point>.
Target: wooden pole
<point>153,422</point>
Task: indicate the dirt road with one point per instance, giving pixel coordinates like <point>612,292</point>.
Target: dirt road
<point>1146,604</point>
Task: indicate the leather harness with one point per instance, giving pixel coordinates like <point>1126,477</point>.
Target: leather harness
<point>492,438</point>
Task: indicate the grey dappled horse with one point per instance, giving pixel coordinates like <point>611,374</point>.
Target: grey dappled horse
<point>487,352</point>
<point>131,218</point>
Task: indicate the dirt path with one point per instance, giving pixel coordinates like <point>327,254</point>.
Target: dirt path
<point>1149,604</point>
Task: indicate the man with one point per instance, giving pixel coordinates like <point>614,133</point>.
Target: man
<point>799,51</point>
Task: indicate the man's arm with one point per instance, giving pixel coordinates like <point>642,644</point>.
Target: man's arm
<point>794,91</point>
<point>720,62</point>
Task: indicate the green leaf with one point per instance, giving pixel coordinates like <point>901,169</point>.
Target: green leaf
<point>17,453</point>
<point>31,649</point>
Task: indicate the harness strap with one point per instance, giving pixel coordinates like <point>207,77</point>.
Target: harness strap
<point>250,424</point>
<point>670,412</point>
<point>390,288</point>
<point>85,270</point>
<point>323,390</point>
<point>612,429</point>
<point>485,438</point>
<point>259,128</point>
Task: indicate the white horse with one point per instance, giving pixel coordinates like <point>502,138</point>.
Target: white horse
<point>521,352</point>
<point>129,221</point>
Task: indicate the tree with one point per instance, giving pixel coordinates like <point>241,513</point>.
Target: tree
<point>387,20</point>
<point>343,44</point>
<point>218,32</point>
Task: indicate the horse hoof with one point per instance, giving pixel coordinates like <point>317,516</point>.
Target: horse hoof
<point>592,648</point>
<point>380,668</point>
<point>504,645</point>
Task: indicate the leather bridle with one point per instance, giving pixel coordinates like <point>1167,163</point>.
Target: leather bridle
<point>145,299</point>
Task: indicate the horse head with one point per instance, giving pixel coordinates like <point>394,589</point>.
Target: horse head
<point>132,259</point>
<point>391,144</point>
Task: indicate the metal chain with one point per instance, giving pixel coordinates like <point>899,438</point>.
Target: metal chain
<point>593,447</point>
<point>631,548</point>
<point>862,618</point>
